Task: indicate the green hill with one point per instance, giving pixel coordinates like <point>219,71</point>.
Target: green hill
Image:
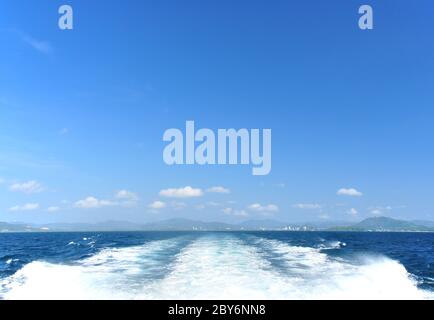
<point>385,224</point>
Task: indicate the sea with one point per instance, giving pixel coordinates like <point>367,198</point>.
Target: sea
<point>217,265</point>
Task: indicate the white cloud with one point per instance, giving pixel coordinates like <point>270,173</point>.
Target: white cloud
<point>123,198</point>
<point>378,211</point>
<point>27,187</point>
<point>157,205</point>
<point>127,196</point>
<point>266,208</point>
<point>186,192</point>
<point>53,209</point>
<point>238,213</point>
<point>349,192</point>
<point>25,207</point>
<point>93,203</point>
<point>309,206</point>
<point>218,189</point>
<point>352,212</point>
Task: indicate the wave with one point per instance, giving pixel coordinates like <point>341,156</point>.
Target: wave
<point>219,266</point>
<point>330,245</point>
<point>10,261</point>
<point>116,273</point>
<point>315,275</point>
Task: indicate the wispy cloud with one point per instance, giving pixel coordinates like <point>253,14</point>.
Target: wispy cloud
<point>352,212</point>
<point>378,211</point>
<point>218,189</point>
<point>93,203</point>
<point>185,192</point>
<point>25,207</point>
<point>263,208</point>
<point>308,206</point>
<point>27,187</point>
<point>53,209</point>
<point>127,196</point>
<point>39,45</point>
<point>177,205</point>
<point>234,212</point>
<point>349,192</point>
<point>123,198</point>
<point>157,205</point>
<point>213,204</point>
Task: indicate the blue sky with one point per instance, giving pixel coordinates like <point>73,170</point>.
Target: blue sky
<point>83,111</point>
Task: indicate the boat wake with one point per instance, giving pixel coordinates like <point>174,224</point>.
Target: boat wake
<point>214,266</point>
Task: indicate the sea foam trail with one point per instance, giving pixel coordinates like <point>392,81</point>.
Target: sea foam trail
<point>314,275</point>
<point>214,266</point>
<point>115,273</point>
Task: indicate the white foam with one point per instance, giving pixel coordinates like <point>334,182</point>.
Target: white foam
<point>110,274</point>
<point>229,269</point>
<point>321,277</point>
<point>332,245</point>
<point>214,267</point>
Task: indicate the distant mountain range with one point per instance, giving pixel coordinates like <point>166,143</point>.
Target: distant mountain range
<point>388,224</point>
<point>20,227</point>
<point>383,224</point>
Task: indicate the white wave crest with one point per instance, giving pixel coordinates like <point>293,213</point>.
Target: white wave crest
<point>332,245</point>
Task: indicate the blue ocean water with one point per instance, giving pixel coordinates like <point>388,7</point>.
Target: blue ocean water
<point>217,265</point>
